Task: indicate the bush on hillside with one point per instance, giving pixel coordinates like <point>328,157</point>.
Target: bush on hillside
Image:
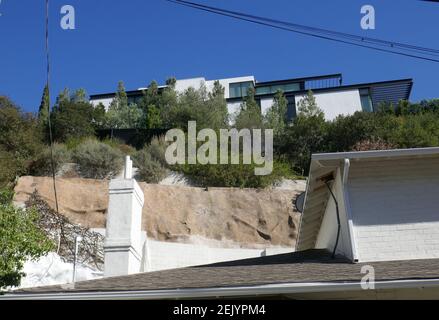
<point>20,240</point>
<point>149,169</point>
<point>151,162</point>
<point>42,165</point>
<point>121,146</point>
<point>20,140</point>
<point>230,175</point>
<point>98,160</point>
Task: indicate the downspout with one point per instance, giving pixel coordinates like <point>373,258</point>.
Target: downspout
<point>338,217</point>
<point>347,207</point>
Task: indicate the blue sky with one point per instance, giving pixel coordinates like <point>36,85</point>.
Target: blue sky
<point>137,41</point>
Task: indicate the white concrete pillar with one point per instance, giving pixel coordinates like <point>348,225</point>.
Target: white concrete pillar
<point>123,247</point>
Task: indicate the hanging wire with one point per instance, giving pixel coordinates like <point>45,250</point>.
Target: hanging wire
<point>48,107</point>
<point>320,33</point>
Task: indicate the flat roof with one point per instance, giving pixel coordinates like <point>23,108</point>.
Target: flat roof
<point>383,90</point>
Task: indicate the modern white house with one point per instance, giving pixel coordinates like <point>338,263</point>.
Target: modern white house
<point>332,96</point>
<point>373,213</point>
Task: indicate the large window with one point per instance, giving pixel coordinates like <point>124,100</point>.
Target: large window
<point>291,108</point>
<point>238,90</point>
<point>289,87</point>
<point>366,101</point>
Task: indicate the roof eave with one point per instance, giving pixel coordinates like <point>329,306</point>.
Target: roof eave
<point>241,291</point>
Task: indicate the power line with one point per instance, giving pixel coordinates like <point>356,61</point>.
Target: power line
<point>318,32</point>
<point>48,106</point>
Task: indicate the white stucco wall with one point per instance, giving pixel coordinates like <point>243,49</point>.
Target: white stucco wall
<point>266,104</point>
<point>395,209</point>
<point>184,84</point>
<point>105,102</point>
<point>169,255</point>
<point>344,102</point>
<point>234,108</point>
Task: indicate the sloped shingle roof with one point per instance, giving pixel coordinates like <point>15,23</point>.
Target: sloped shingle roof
<point>299,267</point>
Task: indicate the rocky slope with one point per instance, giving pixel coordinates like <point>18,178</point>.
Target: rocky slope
<point>249,217</point>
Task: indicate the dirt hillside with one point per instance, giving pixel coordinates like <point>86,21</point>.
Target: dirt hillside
<point>175,213</point>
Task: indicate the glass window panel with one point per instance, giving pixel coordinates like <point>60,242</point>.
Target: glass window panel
<point>364,92</point>
<point>366,103</point>
<point>235,90</point>
<point>277,87</point>
<point>263,90</point>
<point>244,87</point>
<point>292,87</point>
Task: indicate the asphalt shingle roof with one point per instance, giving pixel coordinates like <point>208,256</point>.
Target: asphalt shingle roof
<point>298,267</point>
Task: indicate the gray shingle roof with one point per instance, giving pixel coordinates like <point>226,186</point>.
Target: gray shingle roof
<point>299,267</point>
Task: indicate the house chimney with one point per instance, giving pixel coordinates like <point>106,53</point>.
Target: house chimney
<point>123,232</point>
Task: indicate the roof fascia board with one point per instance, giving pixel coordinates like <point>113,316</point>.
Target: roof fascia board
<point>375,154</point>
<point>283,81</point>
<point>270,289</point>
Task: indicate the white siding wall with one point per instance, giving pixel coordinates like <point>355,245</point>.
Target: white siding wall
<point>266,104</point>
<point>336,103</point>
<point>184,84</point>
<point>328,231</point>
<point>395,209</point>
<point>169,255</point>
<point>233,108</point>
<point>105,102</point>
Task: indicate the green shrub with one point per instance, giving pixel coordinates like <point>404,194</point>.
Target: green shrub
<point>151,162</point>
<point>6,196</point>
<point>119,144</point>
<point>20,141</point>
<point>157,149</point>
<point>42,165</point>
<point>10,168</point>
<point>149,169</point>
<point>231,175</point>
<point>20,240</point>
<point>73,142</point>
<point>97,160</point>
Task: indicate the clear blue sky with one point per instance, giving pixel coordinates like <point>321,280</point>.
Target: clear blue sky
<point>137,41</point>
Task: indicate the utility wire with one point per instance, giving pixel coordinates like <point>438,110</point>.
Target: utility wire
<point>353,37</point>
<point>48,107</point>
<point>314,32</point>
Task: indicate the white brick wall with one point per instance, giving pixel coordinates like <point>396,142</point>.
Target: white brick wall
<point>395,208</point>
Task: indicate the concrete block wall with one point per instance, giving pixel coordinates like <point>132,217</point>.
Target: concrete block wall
<point>169,255</point>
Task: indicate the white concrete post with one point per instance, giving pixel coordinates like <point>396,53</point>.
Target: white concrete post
<point>123,249</point>
<point>128,171</point>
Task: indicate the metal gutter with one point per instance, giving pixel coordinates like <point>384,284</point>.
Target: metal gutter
<point>348,211</point>
<point>242,291</point>
<point>375,154</point>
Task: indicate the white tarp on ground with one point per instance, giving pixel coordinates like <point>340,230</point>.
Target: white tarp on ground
<point>52,270</point>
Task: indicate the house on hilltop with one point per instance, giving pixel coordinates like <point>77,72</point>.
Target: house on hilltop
<point>332,96</point>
